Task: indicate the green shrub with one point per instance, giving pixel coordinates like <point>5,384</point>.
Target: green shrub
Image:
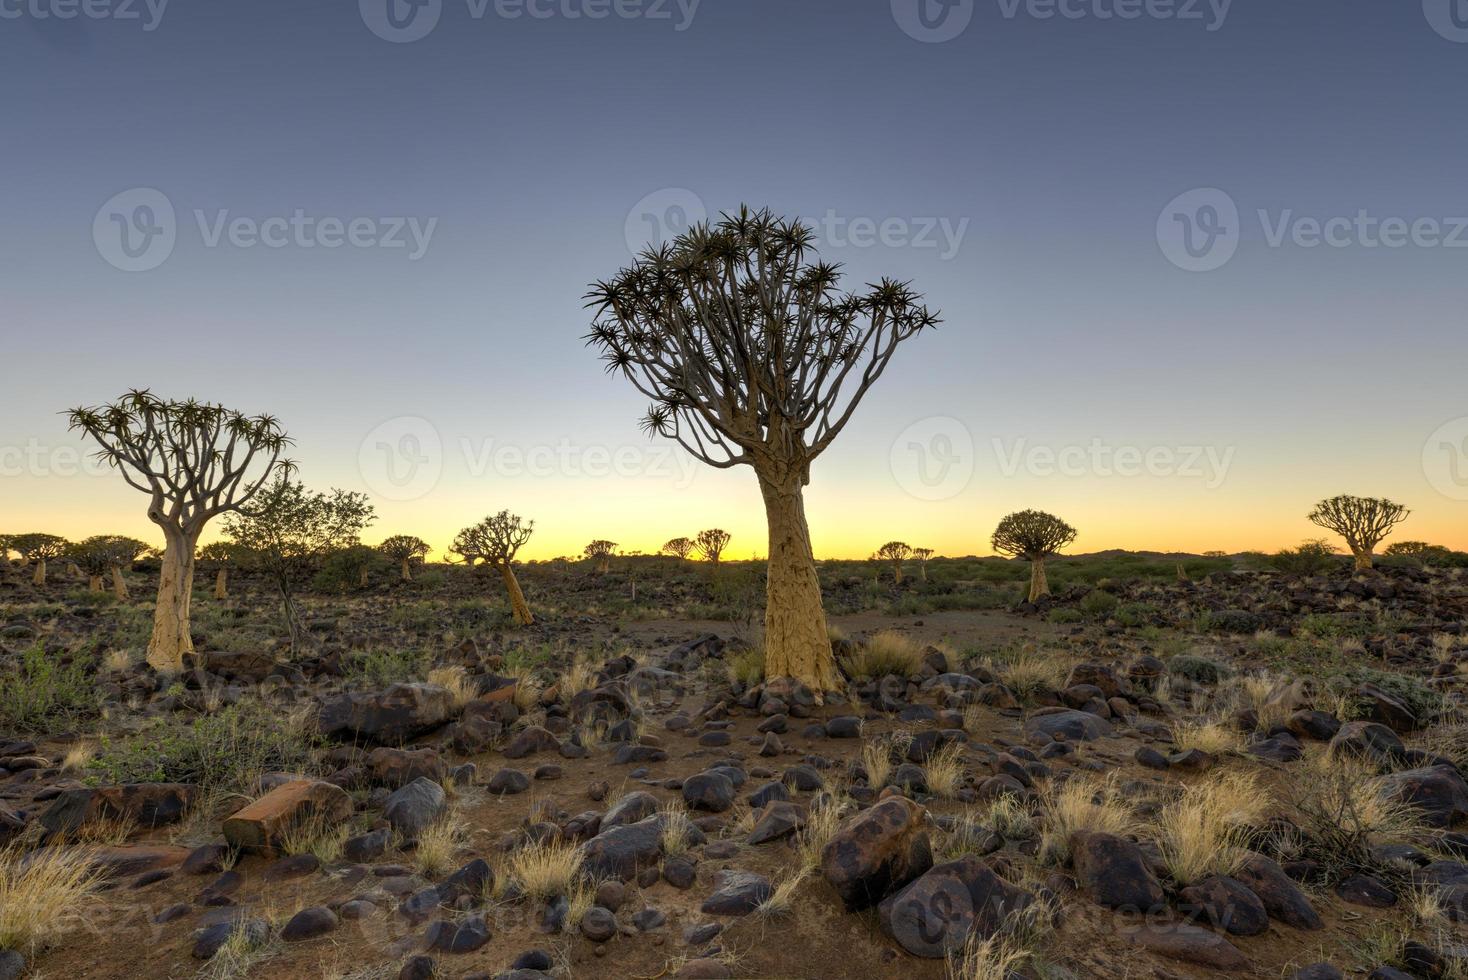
<point>38,694</point>
<point>1198,669</point>
<point>1065,615</point>
<point>1137,614</point>
<point>1099,604</point>
<point>1424,702</point>
<point>746,668</point>
<point>1237,622</point>
<point>380,668</point>
<point>1310,558</point>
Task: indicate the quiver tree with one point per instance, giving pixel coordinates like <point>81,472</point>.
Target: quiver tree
<point>1362,521</point>
<point>39,548</point>
<point>404,550</point>
<point>1033,535</point>
<point>495,540</point>
<point>922,555</point>
<point>195,461</point>
<point>221,556</point>
<point>290,531</point>
<point>710,544</point>
<point>752,356</point>
<point>601,551</point>
<point>679,547</point>
<point>894,553</point>
<point>123,552</point>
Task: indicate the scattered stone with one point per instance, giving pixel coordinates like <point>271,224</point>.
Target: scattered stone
<point>876,851</point>
<point>413,808</point>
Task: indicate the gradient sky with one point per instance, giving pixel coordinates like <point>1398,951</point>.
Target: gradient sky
<point>1053,144</point>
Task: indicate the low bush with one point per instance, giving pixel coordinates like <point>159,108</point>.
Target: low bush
<point>38,694</point>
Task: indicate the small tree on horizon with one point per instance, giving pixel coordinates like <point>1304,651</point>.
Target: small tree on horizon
<point>39,548</point>
<point>404,549</point>
<point>679,548</point>
<point>894,553</point>
<point>124,551</point>
<point>1033,535</point>
<point>222,556</point>
<point>711,544</point>
<point>922,555</point>
<point>753,356</point>
<point>495,541</point>
<point>1362,521</point>
<point>195,461</point>
<point>96,556</point>
<point>601,551</point>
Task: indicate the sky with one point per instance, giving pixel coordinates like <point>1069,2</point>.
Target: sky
<point>1200,264</point>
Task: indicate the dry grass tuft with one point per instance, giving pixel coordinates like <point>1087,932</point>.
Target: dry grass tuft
<point>318,835</point>
<point>1204,831</point>
<point>781,900</point>
<point>1030,672</point>
<point>1084,803</point>
<point>944,771</point>
<point>1009,818</point>
<point>746,668</point>
<point>546,869</point>
<point>1342,810</point>
<point>77,757</point>
<point>885,653</point>
<point>1015,946</point>
<point>876,761</point>
<point>461,687</point>
<point>437,850</point>
<point>1213,737</point>
<point>677,831</point>
<point>822,822</point>
<point>40,892</point>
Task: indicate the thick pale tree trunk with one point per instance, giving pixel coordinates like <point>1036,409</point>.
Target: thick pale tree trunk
<point>171,639</point>
<point>603,565</point>
<point>923,571</point>
<point>1039,585</point>
<point>119,584</point>
<point>518,606</point>
<point>407,575</point>
<point>1363,560</point>
<point>221,584</point>
<point>94,583</point>
<point>796,642</point>
<point>362,579</point>
<point>39,578</point>
<point>897,571</point>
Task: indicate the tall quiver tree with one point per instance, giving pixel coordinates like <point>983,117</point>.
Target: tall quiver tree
<point>495,541</point>
<point>195,461</point>
<point>404,549</point>
<point>1362,521</point>
<point>922,555</point>
<point>894,553</point>
<point>601,551</point>
<point>1033,535</point>
<point>711,544</point>
<point>751,355</point>
<point>678,548</point>
<point>123,552</point>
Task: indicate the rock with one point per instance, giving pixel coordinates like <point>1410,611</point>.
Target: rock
<point>1438,792</point>
<point>464,936</point>
<point>703,969</point>
<point>1280,748</point>
<point>876,851</point>
<point>622,852</point>
<point>135,859</point>
<point>631,808</point>
<point>1370,741</point>
<point>508,782</point>
<point>1189,944</point>
<point>598,924</point>
<point>1281,898</point>
<point>418,968</point>
<point>390,717</point>
<point>1150,758</point>
<point>679,872</point>
<point>530,741</point>
<point>1315,725</point>
<point>395,768</point>
<point>149,805</point>
<point>778,819</point>
<point>1100,676</point>
<point>12,965</point>
<point>843,726</point>
<point>309,923</point>
<point>611,894</point>
<point>804,779</point>
<point>737,893</point>
<point>367,847</point>
<point>711,791</point>
<point>206,859</point>
<point>1386,709</point>
<point>1226,904</point>
<point>261,825</point>
<point>768,793</point>
<point>1074,726</point>
<point>411,809</point>
<point>246,665</point>
<point>1116,872</point>
<point>1362,889</point>
<point>211,939</point>
<point>1319,971</point>
<point>470,884</point>
<point>941,911</point>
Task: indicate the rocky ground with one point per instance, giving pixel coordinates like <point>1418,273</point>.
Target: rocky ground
<point>1241,774</point>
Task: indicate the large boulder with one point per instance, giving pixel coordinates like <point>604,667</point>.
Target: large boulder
<point>1370,741</point>
<point>1438,792</point>
<point>621,852</point>
<point>148,805</point>
<point>1067,724</point>
<point>413,808</point>
<point>940,912</point>
<point>1282,899</point>
<point>262,825</point>
<point>1116,873</point>
<point>389,717</point>
<point>876,851</point>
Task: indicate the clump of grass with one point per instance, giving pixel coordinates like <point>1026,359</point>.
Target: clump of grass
<point>746,668</point>
<point>1083,804</point>
<point>1030,672</point>
<point>437,846</point>
<point>244,950</point>
<point>1009,818</point>
<point>40,892</point>
<point>1272,697</point>
<point>945,771</point>
<point>822,823</point>
<point>38,694</point>
<point>887,652</point>
<point>77,757</point>
<point>1016,945</point>
<point>1213,737</point>
<point>781,900</point>
<point>545,870</point>
<point>316,834</point>
<point>677,831</point>
<point>1342,809</point>
<point>461,687</point>
<point>580,676</point>
<point>1204,831</point>
<point>876,761</point>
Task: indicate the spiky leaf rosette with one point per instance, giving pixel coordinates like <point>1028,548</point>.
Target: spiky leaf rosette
<point>1031,534</point>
